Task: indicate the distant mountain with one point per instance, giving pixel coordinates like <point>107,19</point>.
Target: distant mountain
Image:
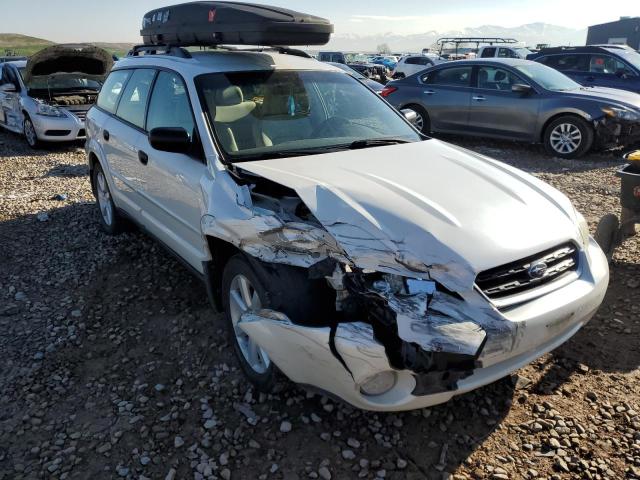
<point>15,43</point>
<point>10,40</point>
<point>530,35</point>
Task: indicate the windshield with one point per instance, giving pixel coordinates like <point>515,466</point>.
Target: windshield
<point>547,77</point>
<point>61,82</point>
<point>632,57</point>
<point>270,114</point>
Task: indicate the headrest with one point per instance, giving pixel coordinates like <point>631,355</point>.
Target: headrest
<point>229,104</point>
<point>500,76</point>
<point>229,96</point>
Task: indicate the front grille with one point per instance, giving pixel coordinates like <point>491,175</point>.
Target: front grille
<point>81,114</point>
<point>514,277</point>
<point>57,133</point>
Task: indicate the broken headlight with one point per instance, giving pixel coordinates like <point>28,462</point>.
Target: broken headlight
<point>399,285</point>
<point>48,110</point>
<point>621,113</point>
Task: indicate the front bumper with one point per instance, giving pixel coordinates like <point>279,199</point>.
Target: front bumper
<point>612,133</point>
<point>59,129</point>
<point>304,353</point>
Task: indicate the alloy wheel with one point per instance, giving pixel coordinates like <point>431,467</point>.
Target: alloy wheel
<point>243,297</point>
<point>104,199</point>
<point>30,133</point>
<point>566,138</point>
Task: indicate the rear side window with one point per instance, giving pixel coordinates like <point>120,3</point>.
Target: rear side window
<point>488,52</point>
<point>133,105</point>
<point>111,90</point>
<point>455,77</point>
<point>574,63</point>
<point>169,106</point>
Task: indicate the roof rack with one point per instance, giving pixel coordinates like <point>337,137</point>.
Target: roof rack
<point>172,50</point>
<point>457,41</point>
<point>140,50</point>
<point>181,52</point>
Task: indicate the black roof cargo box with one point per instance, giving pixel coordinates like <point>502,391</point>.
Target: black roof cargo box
<point>232,23</point>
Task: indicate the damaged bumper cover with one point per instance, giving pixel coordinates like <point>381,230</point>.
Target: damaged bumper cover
<point>470,347</point>
<point>612,133</point>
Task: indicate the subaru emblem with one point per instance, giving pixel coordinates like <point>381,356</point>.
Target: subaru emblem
<point>538,270</point>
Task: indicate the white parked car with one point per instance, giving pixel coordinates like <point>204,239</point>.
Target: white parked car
<point>348,251</point>
<point>412,64</point>
<point>46,98</point>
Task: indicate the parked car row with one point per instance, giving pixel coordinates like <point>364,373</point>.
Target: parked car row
<point>519,100</point>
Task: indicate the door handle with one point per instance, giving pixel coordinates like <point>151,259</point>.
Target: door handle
<point>479,98</point>
<point>143,157</point>
<point>429,92</point>
<point>105,135</point>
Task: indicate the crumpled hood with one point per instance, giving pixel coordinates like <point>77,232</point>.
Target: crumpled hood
<point>86,61</point>
<point>426,207</point>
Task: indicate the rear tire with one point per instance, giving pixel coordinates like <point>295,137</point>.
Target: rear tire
<point>110,221</point>
<point>568,137</point>
<point>423,122</point>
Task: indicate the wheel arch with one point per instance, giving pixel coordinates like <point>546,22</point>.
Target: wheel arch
<point>565,113</point>
<point>221,252</point>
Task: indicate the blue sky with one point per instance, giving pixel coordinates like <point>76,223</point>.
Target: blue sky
<point>119,20</point>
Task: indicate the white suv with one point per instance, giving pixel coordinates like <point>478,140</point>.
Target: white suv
<point>411,64</point>
<point>348,251</point>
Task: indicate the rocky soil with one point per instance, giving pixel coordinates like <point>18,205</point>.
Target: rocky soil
<point>115,366</point>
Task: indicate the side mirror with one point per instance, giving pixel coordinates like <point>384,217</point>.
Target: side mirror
<point>521,88</point>
<point>170,139</point>
<point>8,88</point>
<point>410,115</point>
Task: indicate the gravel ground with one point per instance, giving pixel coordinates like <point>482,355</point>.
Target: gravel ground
<point>115,366</point>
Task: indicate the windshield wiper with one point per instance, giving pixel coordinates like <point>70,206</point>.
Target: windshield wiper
<point>374,142</point>
<point>286,153</point>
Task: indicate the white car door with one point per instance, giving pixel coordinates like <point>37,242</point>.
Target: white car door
<point>122,134</point>
<point>171,181</point>
<point>10,111</point>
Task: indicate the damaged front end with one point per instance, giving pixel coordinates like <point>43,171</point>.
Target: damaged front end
<point>617,128</point>
<point>391,330</point>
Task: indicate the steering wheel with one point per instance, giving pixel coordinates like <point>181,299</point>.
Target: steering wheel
<point>332,127</point>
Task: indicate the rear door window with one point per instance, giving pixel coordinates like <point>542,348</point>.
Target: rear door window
<point>133,105</point>
<point>454,77</point>
<point>566,63</point>
<point>112,89</point>
<point>488,52</point>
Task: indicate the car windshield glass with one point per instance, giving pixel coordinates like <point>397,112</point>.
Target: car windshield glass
<point>547,77</point>
<point>270,114</point>
<point>631,57</point>
<point>61,82</point>
<point>523,52</point>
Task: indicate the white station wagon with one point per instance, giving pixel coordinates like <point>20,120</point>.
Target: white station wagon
<point>348,251</point>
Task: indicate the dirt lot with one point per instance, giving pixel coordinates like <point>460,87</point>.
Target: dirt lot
<point>115,366</point>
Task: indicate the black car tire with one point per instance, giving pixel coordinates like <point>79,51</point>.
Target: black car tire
<point>568,136</point>
<point>110,221</point>
<point>239,267</point>
<point>607,234</point>
<point>426,121</point>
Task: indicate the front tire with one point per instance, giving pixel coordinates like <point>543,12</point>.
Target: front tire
<point>110,222</point>
<point>242,291</point>
<point>568,137</point>
<point>30,134</point>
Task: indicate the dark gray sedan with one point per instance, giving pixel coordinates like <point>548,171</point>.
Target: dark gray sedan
<point>519,100</point>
